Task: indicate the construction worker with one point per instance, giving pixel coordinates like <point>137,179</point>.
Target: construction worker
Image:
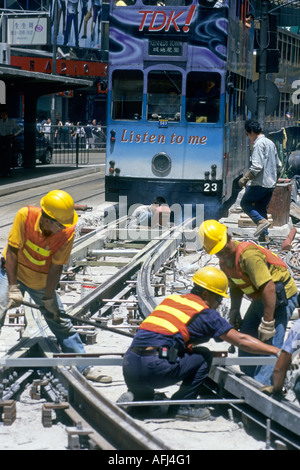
<point>264,278</point>
<point>290,348</point>
<point>162,353</point>
<point>39,244</point>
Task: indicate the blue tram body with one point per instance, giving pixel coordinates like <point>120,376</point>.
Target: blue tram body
<point>177,80</point>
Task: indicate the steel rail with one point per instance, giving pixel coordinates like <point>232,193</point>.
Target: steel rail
<point>102,414</point>
<point>153,262</point>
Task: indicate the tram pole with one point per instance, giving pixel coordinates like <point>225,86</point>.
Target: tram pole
<point>263,44</point>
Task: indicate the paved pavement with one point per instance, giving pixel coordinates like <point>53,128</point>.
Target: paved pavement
<point>28,178</point>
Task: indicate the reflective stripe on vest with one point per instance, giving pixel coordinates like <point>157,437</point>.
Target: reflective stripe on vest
<point>37,251</point>
<point>173,315</point>
<point>240,279</point>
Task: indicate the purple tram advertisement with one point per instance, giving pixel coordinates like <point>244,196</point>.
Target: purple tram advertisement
<point>176,78</point>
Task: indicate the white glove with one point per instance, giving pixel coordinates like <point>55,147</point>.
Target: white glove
<point>15,297</point>
<point>266,330</point>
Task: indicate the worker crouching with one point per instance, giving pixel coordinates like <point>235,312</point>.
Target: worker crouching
<point>162,353</point>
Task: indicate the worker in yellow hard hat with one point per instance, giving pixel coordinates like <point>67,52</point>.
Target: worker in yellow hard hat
<point>263,277</point>
<point>162,352</point>
<point>39,245</point>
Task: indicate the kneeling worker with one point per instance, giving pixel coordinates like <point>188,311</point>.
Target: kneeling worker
<point>39,244</point>
<point>161,353</point>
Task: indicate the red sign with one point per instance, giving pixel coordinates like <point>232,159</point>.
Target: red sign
<point>73,68</point>
<point>162,20</point>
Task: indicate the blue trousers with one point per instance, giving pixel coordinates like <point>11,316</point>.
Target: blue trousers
<point>255,203</point>
<point>66,335</point>
<point>143,374</point>
<point>251,321</point>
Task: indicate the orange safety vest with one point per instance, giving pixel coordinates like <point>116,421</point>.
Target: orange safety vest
<point>37,251</point>
<point>173,315</point>
<point>240,279</point>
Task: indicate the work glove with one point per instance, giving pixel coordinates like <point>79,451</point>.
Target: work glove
<point>235,319</point>
<point>51,306</point>
<point>15,297</point>
<point>244,180</point>
<point>266,330</point>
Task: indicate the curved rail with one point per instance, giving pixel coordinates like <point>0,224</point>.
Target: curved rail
<point>118,430</point>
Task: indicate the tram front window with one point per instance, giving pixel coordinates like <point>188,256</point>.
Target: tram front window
<point>203,97</point>
<point>164,95</point>
<point>127,94</point>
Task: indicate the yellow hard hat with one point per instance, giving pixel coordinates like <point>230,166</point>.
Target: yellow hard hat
<point>59,205</point>
<point>212,279</point>
<point>213,236</point>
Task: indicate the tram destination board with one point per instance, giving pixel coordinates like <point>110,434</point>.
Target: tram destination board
<point>165,47</point>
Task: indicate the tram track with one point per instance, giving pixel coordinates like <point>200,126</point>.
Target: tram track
<point>103,421</point>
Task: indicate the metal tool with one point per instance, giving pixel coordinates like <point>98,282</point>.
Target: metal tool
<point>84,321</point>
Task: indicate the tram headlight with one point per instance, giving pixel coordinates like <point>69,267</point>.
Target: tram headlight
<point>161,164</point>
<point>112,135</point>
<point>111,169</point>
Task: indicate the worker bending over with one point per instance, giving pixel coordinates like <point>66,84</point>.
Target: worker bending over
<point>261,276</point>
<point>162,353</point>
<point>39,244</point>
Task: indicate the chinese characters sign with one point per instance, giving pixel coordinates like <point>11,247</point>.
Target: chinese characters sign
<point>27,31</point>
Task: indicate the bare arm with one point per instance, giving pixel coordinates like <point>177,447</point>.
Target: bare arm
<point>53,278</point>
<point>268,297</point>
<point>280,370</point>
<point>11,265</point>
<point>248,343</point>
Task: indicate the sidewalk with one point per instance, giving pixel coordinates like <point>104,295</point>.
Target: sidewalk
<point>43,174</point>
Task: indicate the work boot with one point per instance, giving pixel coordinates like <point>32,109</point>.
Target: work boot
<point>261,226</point>
<point>264,238</point>
<point>190,413</point>
<point>94,374</point>
<point>125,397</point>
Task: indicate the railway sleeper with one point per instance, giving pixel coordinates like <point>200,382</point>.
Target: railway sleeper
<point>48,408</point>
<point>76,434</point>
<point>9,411</point>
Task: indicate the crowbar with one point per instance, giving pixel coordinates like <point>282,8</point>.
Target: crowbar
<point>87,322</point>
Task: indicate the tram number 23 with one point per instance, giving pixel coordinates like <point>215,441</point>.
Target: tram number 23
<point>210,187</point>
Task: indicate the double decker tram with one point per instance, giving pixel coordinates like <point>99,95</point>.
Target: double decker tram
<point>177,76</point>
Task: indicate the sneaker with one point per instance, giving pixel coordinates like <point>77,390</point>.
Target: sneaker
<point>261,226</point>
<point>189,413</point>
<point>94,374</point>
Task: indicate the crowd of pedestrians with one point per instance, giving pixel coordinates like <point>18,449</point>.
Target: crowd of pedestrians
<point>90,135</point>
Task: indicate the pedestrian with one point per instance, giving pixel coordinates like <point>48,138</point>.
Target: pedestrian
<point>39,244</point>
<point>162,352</point>
<point>262,174</point>
<point>9,129</point>
<point>58,134</point>
<point>47,129</point>
<point>259,274</point>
